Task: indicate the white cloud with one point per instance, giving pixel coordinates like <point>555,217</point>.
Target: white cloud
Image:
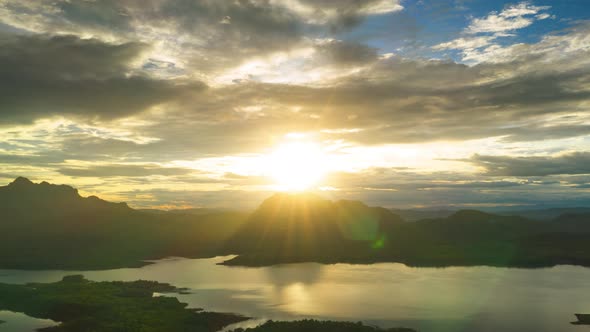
<point>498,23</point>
<point>465,43</point>
<point>522,9</point>
<point>481,43</point>
<point>511,18</point>
<point>553,48</point>
<point>323,11</point>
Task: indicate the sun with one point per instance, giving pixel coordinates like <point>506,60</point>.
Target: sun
<point>297,166</point>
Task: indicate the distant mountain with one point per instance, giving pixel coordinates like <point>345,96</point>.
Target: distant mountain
<point>23,198</point>
<point>572,222</point>
<point>52,226</point>
<point>288,228</point>
<point>301,225</point>
<point>440,213</point>
<point>471,226</point>
<point>546,214</point>
<point>419,214</point>
<point>540,214</point>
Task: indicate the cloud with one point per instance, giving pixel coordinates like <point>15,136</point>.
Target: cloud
<point>399,100</point>
<point>227,199</point>
<point>569,163</point>
<point>126,94</point>
<point>31,159</point>
<point>483,35</point>
<point>393,187</point>
<point>466,43</point>
<point>201,38</point>
<point>340,53</point>
<point>386,101</point>
<point>44,76</point>
<point>339,14</point>
<point>391,101</point>
<point>113,170</point>
<point>512,18</point>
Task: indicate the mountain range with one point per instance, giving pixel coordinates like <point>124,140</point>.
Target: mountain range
<point>52,226</point>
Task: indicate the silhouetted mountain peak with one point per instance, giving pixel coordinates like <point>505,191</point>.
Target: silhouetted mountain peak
<point>292,197</point>
<point>302,223</point>
<point>292,204</point>
<point>45,198</point>
<point>21,182</point>
<point>309,205</point>
<point>351,203</point>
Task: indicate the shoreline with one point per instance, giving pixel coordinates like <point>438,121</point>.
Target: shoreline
<point>247,260</point>
<point>78,304</point>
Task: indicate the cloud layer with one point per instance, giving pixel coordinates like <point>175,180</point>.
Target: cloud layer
<point>45,75</point>
<point>142,100</point>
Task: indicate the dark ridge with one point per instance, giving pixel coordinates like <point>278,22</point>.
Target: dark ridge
<point>53,227</point>
<point>22,194</point>
<point>44,222</point>
<point>21,181</point>
<point>471,215</point>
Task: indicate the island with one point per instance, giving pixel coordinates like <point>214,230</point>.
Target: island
<point>83,305</point>
<point>79,304</point>
<point>583,319</point>
<point>310,325</point>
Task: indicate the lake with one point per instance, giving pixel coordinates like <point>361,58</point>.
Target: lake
<point>483,299</point>
<point>18,322</point>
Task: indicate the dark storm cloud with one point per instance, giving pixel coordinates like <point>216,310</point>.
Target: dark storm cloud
<point>44,76</point>
<point>572,163</point>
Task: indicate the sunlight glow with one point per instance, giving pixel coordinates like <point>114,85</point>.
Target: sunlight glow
<point>297,166</point>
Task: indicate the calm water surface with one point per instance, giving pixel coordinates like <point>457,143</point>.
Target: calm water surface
<point>18,322</point>
<point>429,299</point>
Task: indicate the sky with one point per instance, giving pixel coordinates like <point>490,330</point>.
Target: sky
<point>216,103</point>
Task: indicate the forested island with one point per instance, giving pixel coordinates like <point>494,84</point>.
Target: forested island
<point>79,304</point>
<point>83,305</point>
